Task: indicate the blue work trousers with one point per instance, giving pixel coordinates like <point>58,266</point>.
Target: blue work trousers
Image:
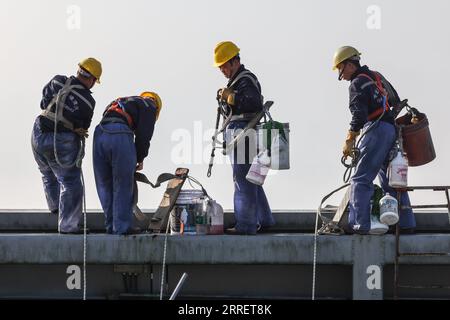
<point>375,147</point>
<point>114,159</point>
<point>62,186</point>
<point>250,202</point>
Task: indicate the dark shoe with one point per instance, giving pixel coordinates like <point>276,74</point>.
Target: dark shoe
<point>408,231</point>
<point>135,230</point>
<point>361,232</point>
<point>262,229</point>
<point>402,231</point>
<point>233,231</point>
<point>79,231</point>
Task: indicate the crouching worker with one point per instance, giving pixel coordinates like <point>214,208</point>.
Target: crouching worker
<point>58,133</point>
<point>121,143</point>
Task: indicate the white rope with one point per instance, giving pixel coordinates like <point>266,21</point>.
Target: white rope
<point>59,104</point>
<point>164,261</point>
<point>84,237</point>
<point>315,257</point>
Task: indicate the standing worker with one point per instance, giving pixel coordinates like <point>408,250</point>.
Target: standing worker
<point>121,143</point>
<point>58,141</point>
<point>243,95</point>
<point>371,97</point>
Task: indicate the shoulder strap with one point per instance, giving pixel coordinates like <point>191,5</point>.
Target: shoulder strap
<point>245,74</point>
<point>377,82</point>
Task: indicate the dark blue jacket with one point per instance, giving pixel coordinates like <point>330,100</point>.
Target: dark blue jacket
<point>248,96</point>
<point>365,99</point>
<point>75,110</point>
<point>143,113</point>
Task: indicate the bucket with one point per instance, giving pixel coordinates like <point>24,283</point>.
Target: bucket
<point>274,135</point>
<point>215,217</point>
<point>417,142</point>
<point>188,216</point>
<point>389,210</point>
<point>376,227</point>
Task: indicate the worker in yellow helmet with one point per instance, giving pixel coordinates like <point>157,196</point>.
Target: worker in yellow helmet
<point>373,102</point>
<point>58,140</point>
<point>121,143</point>
<point>243,96</point>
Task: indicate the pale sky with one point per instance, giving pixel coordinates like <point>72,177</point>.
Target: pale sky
<point>167,46</point>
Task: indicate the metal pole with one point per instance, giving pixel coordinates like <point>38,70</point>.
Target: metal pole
<point>178,287</point>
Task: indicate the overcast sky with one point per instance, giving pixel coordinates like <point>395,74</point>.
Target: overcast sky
<point>167,46</point>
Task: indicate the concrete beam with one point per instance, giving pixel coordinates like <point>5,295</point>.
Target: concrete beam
<point>286,221</point>
<point>225,249</point>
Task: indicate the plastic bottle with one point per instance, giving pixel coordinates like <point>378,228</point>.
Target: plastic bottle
<point>398,171</point>
<point>389,210</point>
<point>259,168</point>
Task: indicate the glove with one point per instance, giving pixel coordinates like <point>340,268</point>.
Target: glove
<point>349,143</point>
<point>83,133</point>
<point>226,95</point>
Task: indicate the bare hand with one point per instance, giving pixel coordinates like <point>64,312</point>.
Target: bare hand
<point>81,132</point>
<point>139,166</point>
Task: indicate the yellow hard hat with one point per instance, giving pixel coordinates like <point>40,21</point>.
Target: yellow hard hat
<point>344,53</point>
<point>156,99</point>
<point>223,52</point>
<point>93,66</point>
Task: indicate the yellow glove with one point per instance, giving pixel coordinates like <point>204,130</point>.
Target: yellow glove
<point>349,143</point>
<point>227,95</point>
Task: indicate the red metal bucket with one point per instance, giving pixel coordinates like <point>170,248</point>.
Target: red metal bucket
<point>417,142</point>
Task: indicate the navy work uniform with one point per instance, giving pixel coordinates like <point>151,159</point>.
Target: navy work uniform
<point>121,140</point>
<point>251,207</point>
<point>367,103</point>
<point>61,176</point>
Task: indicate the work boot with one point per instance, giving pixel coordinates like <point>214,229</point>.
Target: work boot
<point>234,231</point>
<point>134,230</point>
<point>79,231</point>
<point>263,229</point>
<point>402,231</point>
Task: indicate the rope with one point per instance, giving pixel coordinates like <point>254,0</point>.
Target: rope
<point>84,237</point>
<point>60,98</point>
<point>326,223</point>
<point>356,152</point>
<point>226,112</point>
<point>315,258</point>
<point>164,262</point>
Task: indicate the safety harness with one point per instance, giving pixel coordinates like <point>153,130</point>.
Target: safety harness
<point>383,92</point>
<point>58,101</point>
<point>247,74</point>
<point>118,106</point>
